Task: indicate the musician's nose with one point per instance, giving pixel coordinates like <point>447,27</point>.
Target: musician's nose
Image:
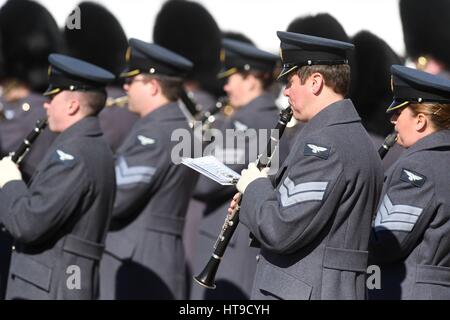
<point>394,118</point>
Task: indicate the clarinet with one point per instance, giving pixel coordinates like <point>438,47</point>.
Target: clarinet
<point>207,276</point>
<point>188,102</point>
<point>208,116</point>
<point>24,147</point>
<point>188,107</point>
<point>387,144</point>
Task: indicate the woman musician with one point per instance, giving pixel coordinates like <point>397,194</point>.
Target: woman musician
<point>409,240</point>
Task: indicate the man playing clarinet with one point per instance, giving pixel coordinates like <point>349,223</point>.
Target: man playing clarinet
<point>313,218</point>
<point>59,221</point>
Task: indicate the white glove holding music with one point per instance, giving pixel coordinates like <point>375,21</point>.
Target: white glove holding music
<point>249,175</point>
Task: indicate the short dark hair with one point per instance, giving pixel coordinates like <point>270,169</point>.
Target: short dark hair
<point>94,101</point>
<point>266,78</point>
<point>171,87</point>
<point>336,77</point>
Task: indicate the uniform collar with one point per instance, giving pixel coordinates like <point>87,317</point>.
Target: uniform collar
<point>86,127</point>
<point>169,111</point>
<point>435,140</point>
<point>339,112</point>
<point>262,102</point>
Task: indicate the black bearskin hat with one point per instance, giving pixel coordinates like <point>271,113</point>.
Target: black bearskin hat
<point>373,93</point>
<point>2,65</point>
<point>426,29</point>
<point>321,25</point>
<point>237,36</point>
<point>29,34</point>
<point>187,28</point>
<point>100,40</point>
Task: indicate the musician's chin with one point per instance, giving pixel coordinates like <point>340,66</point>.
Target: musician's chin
<point>51,126</point>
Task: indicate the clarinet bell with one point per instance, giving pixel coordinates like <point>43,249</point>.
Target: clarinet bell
<point>207,277</point>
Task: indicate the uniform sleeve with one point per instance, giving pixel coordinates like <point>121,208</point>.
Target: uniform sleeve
<point>292,215</point>
<point>404,212</point>
<point>32,214</point>
<point>137,172</point>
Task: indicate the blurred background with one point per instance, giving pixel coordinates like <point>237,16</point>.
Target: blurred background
<point>257,19</point>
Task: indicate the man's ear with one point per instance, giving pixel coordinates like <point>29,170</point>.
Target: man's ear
<point>253,81</point>
<point>317,83</point>
<point>154,87</point>
<point>73,106</point>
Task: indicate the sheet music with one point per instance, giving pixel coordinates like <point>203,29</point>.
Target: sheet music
<point>212,168</point>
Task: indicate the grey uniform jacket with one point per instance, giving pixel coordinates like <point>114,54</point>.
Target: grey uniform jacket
<point>144,252</point>
<point>314,225</point>
<point>235,276</point>
<point>410,239</point>
<point>14,127</point>
<point>60,221</point>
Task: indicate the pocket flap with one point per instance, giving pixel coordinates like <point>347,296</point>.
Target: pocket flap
<point>345,259</point>
<point>283,285</point>
<point>31,271</point>
<point>433,275</point>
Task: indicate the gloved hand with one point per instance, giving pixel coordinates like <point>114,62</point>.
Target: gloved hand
<point>8,171</point>
<point>249,175</point>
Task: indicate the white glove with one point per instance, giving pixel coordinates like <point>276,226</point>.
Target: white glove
<point>8,171</point>
<point>249,175</point>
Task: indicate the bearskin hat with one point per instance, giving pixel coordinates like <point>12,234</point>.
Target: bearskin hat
<point>425,29</point>
<point>187,28</point>
<point>100,39</point>
<point>29,34</point>
<point>233,35</point>
<point>2,66</point>
<point>373,93</point>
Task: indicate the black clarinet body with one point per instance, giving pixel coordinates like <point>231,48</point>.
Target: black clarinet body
<point>25,146</point>
<point>207,117</point>
<point>207,277</point>
<point>387,144</point>
<point>189,103</point>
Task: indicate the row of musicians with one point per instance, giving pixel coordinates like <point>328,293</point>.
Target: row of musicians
<point>55,220</point>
